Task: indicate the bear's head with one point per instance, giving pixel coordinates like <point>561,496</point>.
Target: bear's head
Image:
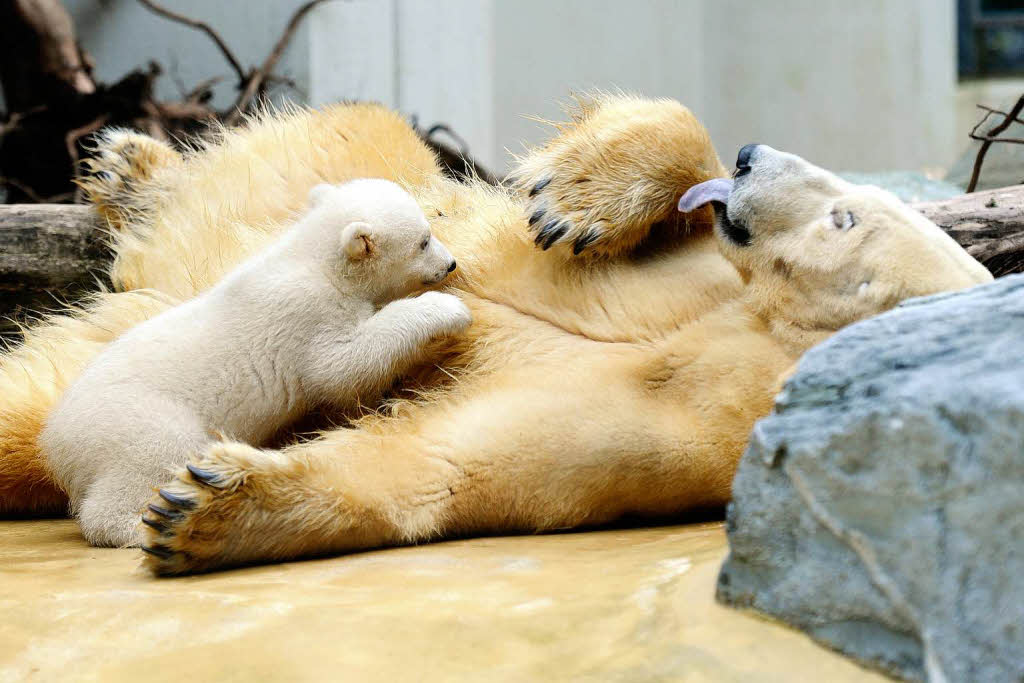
<point>379,236</point>
<point>817,252</point>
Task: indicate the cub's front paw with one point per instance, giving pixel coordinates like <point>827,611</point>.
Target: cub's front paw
<point>210,515</point>
<point>449,315</point>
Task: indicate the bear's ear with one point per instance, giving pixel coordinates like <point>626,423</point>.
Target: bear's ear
<point>319,193</point>
<point>357,241</point>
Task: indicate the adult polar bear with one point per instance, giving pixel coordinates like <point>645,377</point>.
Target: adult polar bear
<point>622,379</point>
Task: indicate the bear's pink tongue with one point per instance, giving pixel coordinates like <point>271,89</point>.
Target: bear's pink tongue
<point>716,190</point>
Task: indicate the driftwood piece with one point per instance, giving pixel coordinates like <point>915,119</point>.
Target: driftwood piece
<point>49,253</point>
<point>989,225</point>
<point>53,252</point>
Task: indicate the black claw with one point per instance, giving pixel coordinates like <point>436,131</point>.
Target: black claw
<point>158,551</point>
<point>556,235</point>
<point>540,186</point>
<point>180,501</point>
<point>545,231</point>
<point>204,476</point>
<point>536,217</point>
<point>155,524</point>
<point>584,241</point>
<point>172,515</point>
<point>105,176</point>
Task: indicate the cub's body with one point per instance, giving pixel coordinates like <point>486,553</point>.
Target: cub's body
<point>294,327</point>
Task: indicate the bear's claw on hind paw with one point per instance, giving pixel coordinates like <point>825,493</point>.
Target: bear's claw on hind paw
<point>205,476</point>
<point>175,499</point>
<point>158,551</point>
<point>190,522</point>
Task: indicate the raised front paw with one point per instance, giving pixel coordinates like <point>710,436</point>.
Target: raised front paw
<point>448,315</point>
<point>560,211</point>
<point>211,514</point>
<point>612,174</point>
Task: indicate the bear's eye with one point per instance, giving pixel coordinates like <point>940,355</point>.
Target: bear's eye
<point>844,220</point>
<point>425,244</point>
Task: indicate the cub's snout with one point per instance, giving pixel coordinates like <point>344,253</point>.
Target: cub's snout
<point>439,261</point>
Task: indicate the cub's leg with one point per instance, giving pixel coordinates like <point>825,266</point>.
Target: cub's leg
<point>615,171</point>
<point>32,378</point>
<point>125,174</point>
<point>107,448</point>
<point>536,448</point>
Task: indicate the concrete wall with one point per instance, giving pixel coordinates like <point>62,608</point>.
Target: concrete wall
<point>861,85</point>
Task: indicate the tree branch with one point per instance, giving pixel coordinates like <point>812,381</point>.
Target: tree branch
<point>990,137</point>
<point>206,28</point>
<point>258,77</point>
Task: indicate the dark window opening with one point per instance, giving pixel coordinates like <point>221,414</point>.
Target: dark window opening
<point>990,37</point>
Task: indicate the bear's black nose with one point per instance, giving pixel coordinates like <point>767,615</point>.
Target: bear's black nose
<point>451,267</point>
<point>743,159</point>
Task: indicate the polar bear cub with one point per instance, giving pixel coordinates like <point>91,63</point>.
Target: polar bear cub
<point>315,318</point>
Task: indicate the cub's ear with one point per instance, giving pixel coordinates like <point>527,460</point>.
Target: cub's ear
<point>319,193</point>
<point>357,241</point>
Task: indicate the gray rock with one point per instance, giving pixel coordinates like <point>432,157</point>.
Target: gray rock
<point>880,508</point>
<point>910,186</point>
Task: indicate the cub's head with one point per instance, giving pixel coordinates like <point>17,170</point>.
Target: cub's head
<point>384,239</point>
<point>817,252</point>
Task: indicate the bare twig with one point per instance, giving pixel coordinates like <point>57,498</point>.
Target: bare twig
<point>259,76</point>
<point>990,137</point>
<point>206,28</point>
<point>73,136</point>
<point>16,118</point>
<point>996,111</point>
<point>201,92</point>
<point>993,138</point>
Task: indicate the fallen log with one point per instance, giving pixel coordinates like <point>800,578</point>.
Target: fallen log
<point>989,225</point>
<point>49,253</point>
<point>55,252</point>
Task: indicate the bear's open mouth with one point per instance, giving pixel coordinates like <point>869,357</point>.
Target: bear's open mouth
<point>716,192</point>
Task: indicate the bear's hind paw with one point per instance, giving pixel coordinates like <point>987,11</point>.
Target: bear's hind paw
<point>191,523</point>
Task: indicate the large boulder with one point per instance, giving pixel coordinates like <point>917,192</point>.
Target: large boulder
<point>880,508</point>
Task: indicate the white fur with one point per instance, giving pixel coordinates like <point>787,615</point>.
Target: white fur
<point>315,318</point>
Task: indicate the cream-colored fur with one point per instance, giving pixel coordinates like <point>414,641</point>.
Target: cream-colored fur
<point>623,379</point>
<point>314,319</point>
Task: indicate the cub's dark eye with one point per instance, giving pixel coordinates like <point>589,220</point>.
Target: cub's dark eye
<point>844,220</point>
<point>425,244</point>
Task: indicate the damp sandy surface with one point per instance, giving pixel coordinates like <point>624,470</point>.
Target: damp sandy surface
<point>618,605</point>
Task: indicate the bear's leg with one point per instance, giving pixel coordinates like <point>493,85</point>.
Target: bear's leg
<point>121,178</point>
<point>538,448</point>
<point>613,173</point>
<point>35,373</point>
